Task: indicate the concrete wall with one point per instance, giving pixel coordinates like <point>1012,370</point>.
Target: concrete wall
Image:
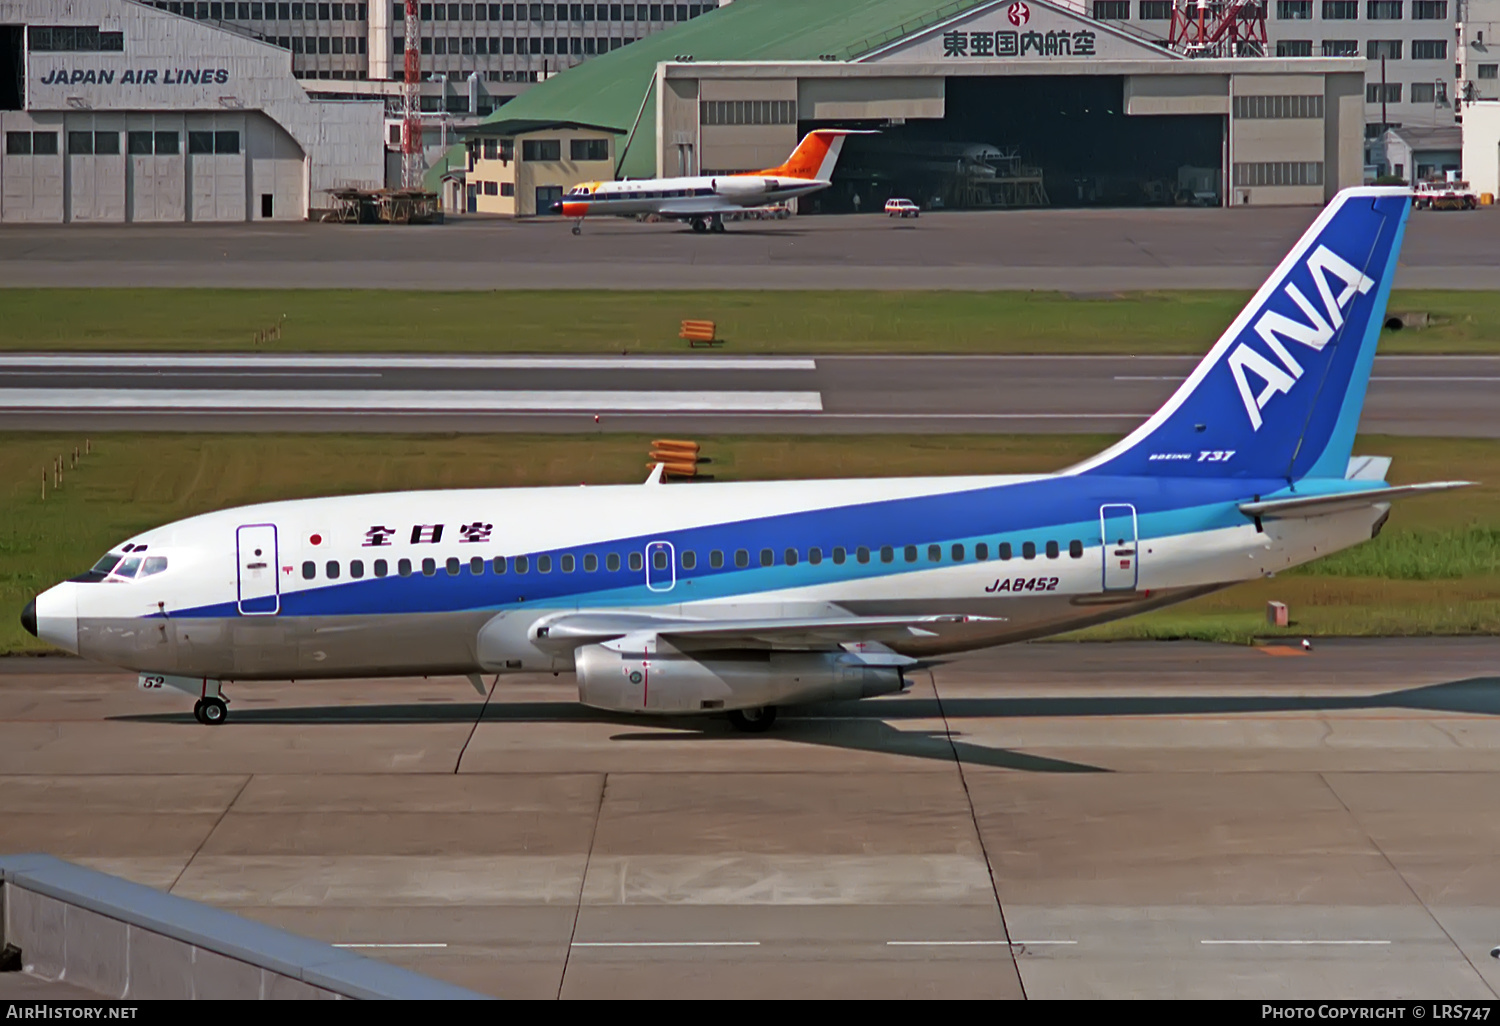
<point>1279,141</point>
<point>1482,147</point>
<point>123,940</point>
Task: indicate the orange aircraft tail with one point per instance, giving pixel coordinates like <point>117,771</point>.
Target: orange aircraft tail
<point>814,157</point>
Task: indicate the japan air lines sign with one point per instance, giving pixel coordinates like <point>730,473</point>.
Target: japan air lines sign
<point>1019,30</point>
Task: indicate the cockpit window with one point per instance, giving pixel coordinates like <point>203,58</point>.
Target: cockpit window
<point>106,564</point>
<point>128,567</point>
<point>153,565</point>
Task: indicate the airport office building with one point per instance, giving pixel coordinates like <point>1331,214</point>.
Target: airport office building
<point>983,103</point>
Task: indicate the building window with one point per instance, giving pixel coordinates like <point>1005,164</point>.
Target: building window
<point>1279,172</point>
<point>1375,93</point>
<point>18,144</point>
<point>1488,70</point>
<point>541,149</point>
<point>1341,48</point>
<point>1340,10</point>
<point>492,188</point>
<point>589,149</point>
<point>226,142</point>
<point>491,149</point>
<point>1383,10</point>
<point>1156,10</point>
<point>1294,10</point>
<point>200,142</point>
<point>1294,48</point>
<point>138,143</point>
<point>81,143</point>
<point>1389,49</point>
<point>1112,10</point>
<point>1259,107</point>
<point>1429,49</point>
<point>107,143</point>
<point>73,39</point>
<point>507,188</point>
<point>1426,92</point>
<point>167,144</point>
<point>748,112</point>
<point>1429,10</point>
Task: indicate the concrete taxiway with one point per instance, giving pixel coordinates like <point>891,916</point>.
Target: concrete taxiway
<point>1045,820</point>
<point>1068,250</point>
<point>1409,395</point>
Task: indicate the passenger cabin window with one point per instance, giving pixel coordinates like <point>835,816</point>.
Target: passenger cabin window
<point>612,562</point>
<point>659,559</point>
<point>934,553</point>
<point>567,564</point>
<point>767,557</point>
<point>356,568</point>
<point>498,564</point>
<point>520,564</point>
<point>839,556</point>
<point>403,567</point>
<point>1005,550</point>
<point>381,568</point>
<point>716,559</point>
<point>544,564</point>
<point>910,553</point>
<point>1028,550</point>
<point>981,550</point>
<point>1075,549</point>
<point>815,556</point>
<point>1052,550</point>
<point>331,569</point>
<point>689,559</point>
<point>636,562</point>
<point>741,558</point>
<point>887,553</point>
<point>791,557</point>
<point>862,554</point>
<point>153,565</point>
<point>309,570</point>
<point>590,563</point>
<point>476,566</point>
<point>958,553</point>
<point>452,566</point>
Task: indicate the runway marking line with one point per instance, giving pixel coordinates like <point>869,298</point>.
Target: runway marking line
<point>390,945</point>
<point>1294,942</point>
<point>972,943</point>
<point>665,944</point>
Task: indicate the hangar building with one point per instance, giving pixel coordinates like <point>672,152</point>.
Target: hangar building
<point>113,110</point>
<point>978,103</point>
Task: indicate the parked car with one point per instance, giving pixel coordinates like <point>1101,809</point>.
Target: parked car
<point>903,207</point>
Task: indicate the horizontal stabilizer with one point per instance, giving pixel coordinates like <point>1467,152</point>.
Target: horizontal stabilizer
<point>1322,505</point>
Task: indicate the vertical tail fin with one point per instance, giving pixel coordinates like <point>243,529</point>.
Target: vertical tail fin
<point>815,156</point>
<point>1279,395</point>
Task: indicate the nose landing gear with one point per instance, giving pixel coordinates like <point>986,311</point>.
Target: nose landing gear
<point>578,227</point>
<point>210,711</point>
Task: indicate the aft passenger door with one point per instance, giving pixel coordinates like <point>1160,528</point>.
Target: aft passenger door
<point>256,562</point>
<point>1117,531</point>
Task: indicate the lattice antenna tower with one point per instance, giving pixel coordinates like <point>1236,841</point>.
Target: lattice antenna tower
<point>1218,28</point>
<point>411,105</point>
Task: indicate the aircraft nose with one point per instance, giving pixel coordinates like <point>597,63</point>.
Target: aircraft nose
<point>53,616</point>
<point>556,207</point>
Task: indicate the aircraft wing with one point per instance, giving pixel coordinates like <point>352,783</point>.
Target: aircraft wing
<point>574,629</point>
<point>1322,505</point>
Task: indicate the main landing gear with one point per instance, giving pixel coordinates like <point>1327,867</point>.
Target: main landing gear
<point>753,721</point>
<point>708,224</point>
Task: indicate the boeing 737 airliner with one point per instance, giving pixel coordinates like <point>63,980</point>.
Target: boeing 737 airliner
<point>741,597</point>
<point>704,200</point>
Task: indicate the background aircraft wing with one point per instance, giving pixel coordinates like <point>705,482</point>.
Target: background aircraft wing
<point>574,629</point>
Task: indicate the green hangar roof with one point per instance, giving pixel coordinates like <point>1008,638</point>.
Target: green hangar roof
<point>610,91</point>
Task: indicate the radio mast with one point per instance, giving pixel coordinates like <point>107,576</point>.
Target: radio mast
<point>411,106</point>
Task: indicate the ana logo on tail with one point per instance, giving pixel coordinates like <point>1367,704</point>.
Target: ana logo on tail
<point>1275,328</point>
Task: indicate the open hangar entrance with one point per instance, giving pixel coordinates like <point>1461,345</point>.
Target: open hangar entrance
<point>1031,141</point>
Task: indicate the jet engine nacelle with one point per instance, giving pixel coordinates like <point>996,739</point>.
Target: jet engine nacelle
<point>678,683</point>
<point>742,186</point>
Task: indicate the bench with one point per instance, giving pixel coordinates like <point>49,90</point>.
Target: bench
<point>699,333</point>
